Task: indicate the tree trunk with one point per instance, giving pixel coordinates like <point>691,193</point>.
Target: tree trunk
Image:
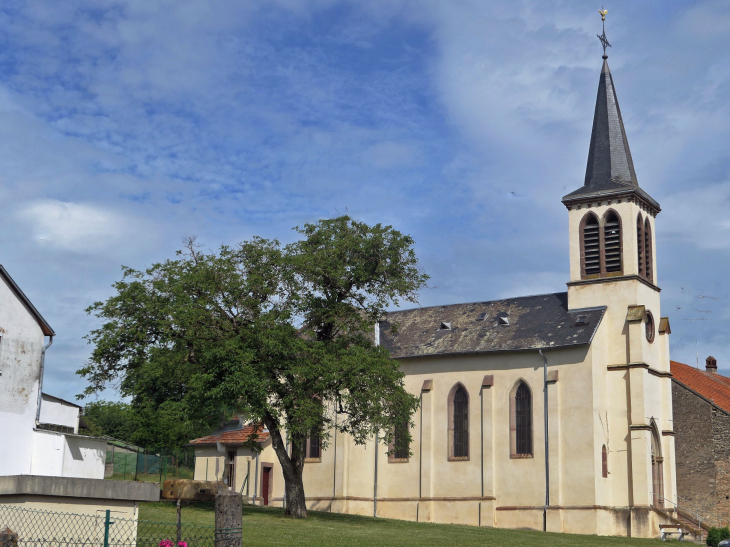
<point>292,468</point>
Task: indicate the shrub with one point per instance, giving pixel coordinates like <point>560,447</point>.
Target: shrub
<point>716,535</point>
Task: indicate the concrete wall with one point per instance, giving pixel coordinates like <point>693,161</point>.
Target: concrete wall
<point>21,342</point>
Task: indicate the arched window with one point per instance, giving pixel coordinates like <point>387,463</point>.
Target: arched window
<point>612,243</point>
<point>590,246</point>
<point>604,462</point>
<point>313,447</point>
<point>461,423</point>
<point>399,449</point>
<point>647,252</point>
<point>657,467</point>
<point>521,421</point>
<point>640,244</point>
<point>458,423</point>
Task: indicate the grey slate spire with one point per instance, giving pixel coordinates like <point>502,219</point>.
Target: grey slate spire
<point>610,169</point>
<point>609,157</point>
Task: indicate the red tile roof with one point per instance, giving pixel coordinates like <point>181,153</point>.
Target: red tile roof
<point>710,385</point>
<point>232,438</point>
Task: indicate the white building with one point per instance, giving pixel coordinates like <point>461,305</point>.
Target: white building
<point>44,463</point>
<point>44,429</point>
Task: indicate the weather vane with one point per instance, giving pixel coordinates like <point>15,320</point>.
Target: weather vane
<point>602,37</point>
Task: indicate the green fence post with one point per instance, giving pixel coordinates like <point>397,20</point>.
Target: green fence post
<point>107,522</point>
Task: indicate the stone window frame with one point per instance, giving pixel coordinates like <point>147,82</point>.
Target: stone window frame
<point>656,449</point>
<point>640,251</point>
<point>513,422</point>
<point>391,450</point>
<point>650,329</point>
<point>648,258</point>
<point>581,236</point>
<point>308,457</point>
<point>602,242</point>
<point>450,424</point>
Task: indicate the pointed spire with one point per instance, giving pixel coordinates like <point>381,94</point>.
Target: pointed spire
<point>609,157</point>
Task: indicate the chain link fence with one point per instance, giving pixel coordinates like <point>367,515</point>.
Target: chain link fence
<point>21,527</point>
<point>132,463</point>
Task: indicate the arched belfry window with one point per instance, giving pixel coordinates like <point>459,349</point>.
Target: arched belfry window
<point>458,423</point>
<point>521,421</point>
<point>590,246</point>
<point>647,252</point>
<point>612,243</point>
<point>640,244</point>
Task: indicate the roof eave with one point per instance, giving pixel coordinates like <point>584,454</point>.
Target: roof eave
<point>570,200</point>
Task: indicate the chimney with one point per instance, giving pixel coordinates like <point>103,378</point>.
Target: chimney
<point>711,364</point>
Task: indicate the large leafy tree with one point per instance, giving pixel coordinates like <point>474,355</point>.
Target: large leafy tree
<point>284,334</point>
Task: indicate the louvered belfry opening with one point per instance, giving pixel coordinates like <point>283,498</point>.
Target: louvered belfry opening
<point>612,243</point>
<point>647,251</point>
<point>591,247</point>
<point>640,244</point>
<point>523,420</point>
<point>461,423</point>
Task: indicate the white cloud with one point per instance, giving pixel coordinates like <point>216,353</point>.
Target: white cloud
<point>79,227</point>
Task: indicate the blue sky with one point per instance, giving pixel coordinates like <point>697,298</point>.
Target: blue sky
<point>128,126</point>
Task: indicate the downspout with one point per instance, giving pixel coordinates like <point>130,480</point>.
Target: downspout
<point>334,467</point>
<point>40,381</point>
<point>375,480</point>
<point>420,450</point>
<point>256,479</point>
<point>547,443</point>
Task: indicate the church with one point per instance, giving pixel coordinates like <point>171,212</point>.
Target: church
<point>550,412</point>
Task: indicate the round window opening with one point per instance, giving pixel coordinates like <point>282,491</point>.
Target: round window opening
<point>649,327</point>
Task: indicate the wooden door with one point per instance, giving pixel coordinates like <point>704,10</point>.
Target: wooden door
<point>265,484</point>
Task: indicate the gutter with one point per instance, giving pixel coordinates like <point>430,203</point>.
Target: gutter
<point>40,380</point>
<point>547,443</point>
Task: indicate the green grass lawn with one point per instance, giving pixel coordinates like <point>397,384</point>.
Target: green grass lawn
<point>268,526</point>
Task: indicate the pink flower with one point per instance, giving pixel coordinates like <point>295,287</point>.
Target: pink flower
<point>182,544</point>
<point>167,543</point>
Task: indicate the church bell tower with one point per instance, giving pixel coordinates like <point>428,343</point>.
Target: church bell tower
<point>612,244</point>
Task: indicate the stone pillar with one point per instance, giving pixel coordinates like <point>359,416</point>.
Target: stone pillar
<point>228,519</point>
<point>487,509</point>
<point>554,517</point>
<point>426,451</point>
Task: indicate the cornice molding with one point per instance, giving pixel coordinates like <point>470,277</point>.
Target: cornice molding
<point>632,277</point>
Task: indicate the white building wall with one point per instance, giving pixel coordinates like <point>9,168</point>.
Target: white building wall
<point>56,412</point>
<point>84,457</point>
<point>48,450</point>
<point>21,342</point>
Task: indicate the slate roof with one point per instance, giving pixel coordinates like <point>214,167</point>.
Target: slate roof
<point>535,322</point>
<point>710,385</point>
<point>232,438</point>
<point>610,169</point>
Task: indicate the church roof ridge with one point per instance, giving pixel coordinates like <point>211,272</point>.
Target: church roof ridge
<point>575,310</point>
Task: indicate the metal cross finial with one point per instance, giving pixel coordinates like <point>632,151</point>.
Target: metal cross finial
<point>602,37</point>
